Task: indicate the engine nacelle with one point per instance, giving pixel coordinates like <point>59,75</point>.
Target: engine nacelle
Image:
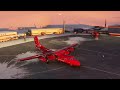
<point>62,52</point>
<point>51,57</point>
<point>67,52</point>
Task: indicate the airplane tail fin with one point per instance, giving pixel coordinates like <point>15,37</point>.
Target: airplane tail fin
<point>39,46</point>
<point>37,43</point>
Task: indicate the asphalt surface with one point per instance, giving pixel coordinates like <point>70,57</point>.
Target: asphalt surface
<point>100,59</point>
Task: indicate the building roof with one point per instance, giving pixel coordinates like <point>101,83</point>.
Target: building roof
<point>6,31</point>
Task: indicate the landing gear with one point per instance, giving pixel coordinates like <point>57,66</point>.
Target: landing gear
<point>71,65</point>
<point>47,61</point>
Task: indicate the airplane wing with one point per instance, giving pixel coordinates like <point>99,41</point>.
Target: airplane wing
<point>28,58</point>
<point>33,57</point>
<point>63,51</point>
<point>46,50</point>
<point>63,55</point>
<point>66,49</point>
<point>71,46</point>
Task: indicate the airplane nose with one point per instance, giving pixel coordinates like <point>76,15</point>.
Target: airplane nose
<point>77,63</point>
<point>74,63</point>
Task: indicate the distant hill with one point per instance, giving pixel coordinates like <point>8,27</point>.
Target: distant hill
<point>5,29</point>
<point>115,25</point>
<point>70,27</point>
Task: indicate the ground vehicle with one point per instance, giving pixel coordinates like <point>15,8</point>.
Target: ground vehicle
<point>47,55</point>
<point>43,31</point>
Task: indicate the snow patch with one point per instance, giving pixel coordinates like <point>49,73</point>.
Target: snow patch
<point>14,69</point>
<point>73,40</point>
<point>53,49</point>
<point>11,72</point>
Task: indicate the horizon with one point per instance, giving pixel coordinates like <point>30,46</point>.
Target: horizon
<point>14,19</point>
<point>53,25</point>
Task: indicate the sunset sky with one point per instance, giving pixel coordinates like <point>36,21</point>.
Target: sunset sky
<point>41,18</point>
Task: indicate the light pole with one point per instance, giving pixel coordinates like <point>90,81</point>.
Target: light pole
<point>105,23</point>
<point>64,26</point>
<point>63,22</point>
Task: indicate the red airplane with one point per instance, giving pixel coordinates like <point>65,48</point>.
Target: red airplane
<point>47,55</point>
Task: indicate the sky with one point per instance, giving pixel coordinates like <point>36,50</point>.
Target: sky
<point>13,19</point>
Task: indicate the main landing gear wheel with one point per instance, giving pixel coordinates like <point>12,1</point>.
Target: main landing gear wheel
<point>71,65</point>
<point>47,61</point>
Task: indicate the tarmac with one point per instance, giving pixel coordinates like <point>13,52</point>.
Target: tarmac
<point>99,58</point>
